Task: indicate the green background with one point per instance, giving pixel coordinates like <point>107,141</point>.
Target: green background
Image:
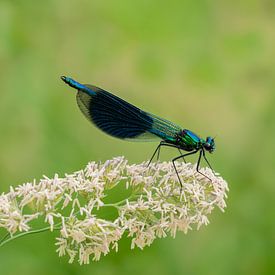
<point>206,65</point>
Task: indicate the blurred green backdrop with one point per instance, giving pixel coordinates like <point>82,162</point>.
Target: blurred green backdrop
<point>206,65</point>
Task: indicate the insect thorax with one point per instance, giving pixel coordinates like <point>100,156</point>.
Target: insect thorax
<point>188,140</point>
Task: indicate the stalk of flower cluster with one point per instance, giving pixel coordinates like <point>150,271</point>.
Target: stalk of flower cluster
<point>156,207</point>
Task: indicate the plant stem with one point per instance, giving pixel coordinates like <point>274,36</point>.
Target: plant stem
<point>5,240</point>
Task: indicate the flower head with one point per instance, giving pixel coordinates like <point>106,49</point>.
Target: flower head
<point>157,206</point>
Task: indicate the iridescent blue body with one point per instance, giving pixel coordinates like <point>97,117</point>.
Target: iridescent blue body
<point>123,120</point>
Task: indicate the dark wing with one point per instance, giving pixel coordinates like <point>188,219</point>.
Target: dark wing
<point>121,119</point>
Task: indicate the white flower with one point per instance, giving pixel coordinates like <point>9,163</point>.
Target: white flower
<point>157,206</point>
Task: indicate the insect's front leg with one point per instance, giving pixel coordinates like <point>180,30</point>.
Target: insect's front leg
<point>203,153</point>
<point>198,164</point>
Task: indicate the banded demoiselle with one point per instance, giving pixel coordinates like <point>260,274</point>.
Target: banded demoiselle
<point>123,120</point>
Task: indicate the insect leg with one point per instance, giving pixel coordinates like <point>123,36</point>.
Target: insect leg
<point>177,174</point>
<point>203,153</point>
<point>158,148</point>
<point>162,143</point>
<point>198,165</point>
<point>185,155</point>
<point>181,156</point>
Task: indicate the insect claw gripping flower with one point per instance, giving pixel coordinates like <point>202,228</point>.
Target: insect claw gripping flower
<point>156,207</point>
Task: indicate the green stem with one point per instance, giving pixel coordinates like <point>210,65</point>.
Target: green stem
<point>111,205</point>
<point>5,240</point>
<point>129,199</point>
<point>117,204</point>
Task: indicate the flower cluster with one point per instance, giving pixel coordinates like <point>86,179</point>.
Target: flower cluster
<point>157,205</point>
